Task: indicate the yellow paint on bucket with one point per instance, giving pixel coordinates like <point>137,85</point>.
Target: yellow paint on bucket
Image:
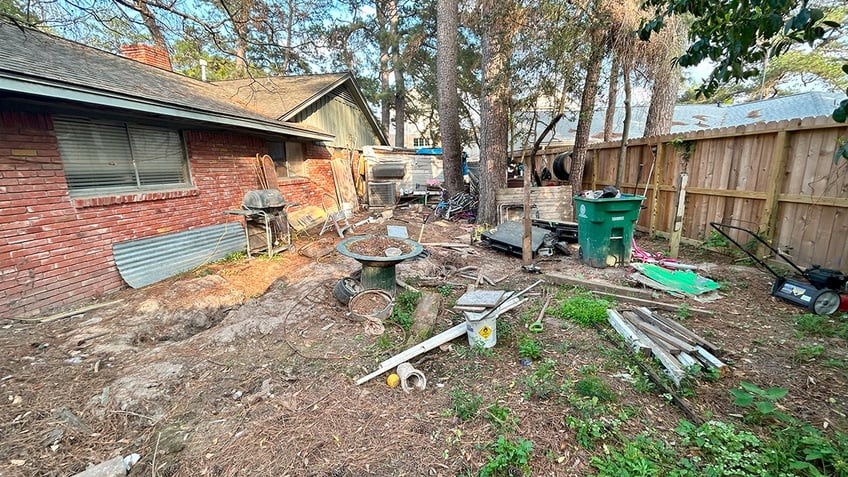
<point>482,332</point>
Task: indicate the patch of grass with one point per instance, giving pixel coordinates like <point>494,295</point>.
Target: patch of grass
<point>641,457</point>
<point>822,325</point>
<point>529,348</point>
<point>465,404</point>
<point>509,457</point>
<point>592,386</point>
<point>384,342</point>
<point>683,311</point>
<point>405,304</point>
<point>445,290</point>
<point>590,429</point>
<point>542,383</point>
<point>583,309</point>
<point>720,449</point>
<point>835,363</point>
<point>501,418</point>
<point>233,257</point>
<point>807,353</point>
<point>504,328</point>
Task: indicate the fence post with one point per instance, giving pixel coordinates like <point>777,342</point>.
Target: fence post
<point>677,226</point>
<point>779,156</point>
<point>655,193</point>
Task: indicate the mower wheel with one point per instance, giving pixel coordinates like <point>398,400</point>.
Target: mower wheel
<point>824,302</point>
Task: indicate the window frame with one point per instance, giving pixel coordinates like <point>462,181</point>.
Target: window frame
<point>132,134</point>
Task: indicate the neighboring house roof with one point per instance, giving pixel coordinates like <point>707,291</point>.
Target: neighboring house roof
<point>284,97</point>
<point>694,117</point>
<point>37,64</point>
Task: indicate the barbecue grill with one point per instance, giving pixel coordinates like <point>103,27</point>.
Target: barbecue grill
<point>265,213</point>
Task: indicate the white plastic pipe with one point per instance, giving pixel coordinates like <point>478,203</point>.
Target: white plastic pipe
<point>411,378</point>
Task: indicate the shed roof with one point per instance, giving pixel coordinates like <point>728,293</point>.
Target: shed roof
<point>42,65</point>
<point>283,97</point>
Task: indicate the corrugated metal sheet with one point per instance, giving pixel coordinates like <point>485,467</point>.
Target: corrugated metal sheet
<point>149,260</point>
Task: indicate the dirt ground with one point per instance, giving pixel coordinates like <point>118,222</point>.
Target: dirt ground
<point>248,368</point>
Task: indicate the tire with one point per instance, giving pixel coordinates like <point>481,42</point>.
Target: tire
<point>825,302</point>
<point>345,289</point>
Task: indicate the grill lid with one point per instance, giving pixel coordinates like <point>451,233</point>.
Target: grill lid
<point>263,199</point>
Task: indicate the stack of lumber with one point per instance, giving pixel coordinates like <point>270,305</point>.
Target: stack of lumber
<point>672,344</point>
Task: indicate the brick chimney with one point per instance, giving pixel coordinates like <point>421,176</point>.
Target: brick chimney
<point>147,54</point>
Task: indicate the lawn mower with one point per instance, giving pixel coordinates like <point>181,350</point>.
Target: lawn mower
<point>820,290</point>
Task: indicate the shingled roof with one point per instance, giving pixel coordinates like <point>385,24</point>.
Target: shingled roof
<point>38,64</point>
<point>283,97</point>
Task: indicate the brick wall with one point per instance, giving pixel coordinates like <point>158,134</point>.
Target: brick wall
<point>56,251</point>
<point>319,176</point>
<point>148,54</point>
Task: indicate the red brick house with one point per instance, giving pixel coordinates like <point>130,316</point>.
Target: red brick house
<point>97,149</point>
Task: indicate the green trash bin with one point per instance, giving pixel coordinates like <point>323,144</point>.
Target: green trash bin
<point>605,229</point>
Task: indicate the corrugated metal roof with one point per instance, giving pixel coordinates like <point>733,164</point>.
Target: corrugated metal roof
<point>149,260</point>
<point>694,117</point>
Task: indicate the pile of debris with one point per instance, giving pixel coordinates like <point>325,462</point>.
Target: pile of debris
<point>675,346</point>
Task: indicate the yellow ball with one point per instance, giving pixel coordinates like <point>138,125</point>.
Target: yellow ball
<point>393,380</point>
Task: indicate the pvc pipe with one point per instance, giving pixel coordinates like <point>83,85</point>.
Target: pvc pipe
<point>411,378</point>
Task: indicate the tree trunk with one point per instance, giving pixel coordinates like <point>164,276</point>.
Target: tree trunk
<point>587,109</point>
<point>625,133</point>
<point>398,69</point>
<point>663,101</point>
<point>612,97</point>
<point>385,100</point>
<point>666,73</point>
<point>152,26</point>
<point>447,12</point>
<point>494,108</point>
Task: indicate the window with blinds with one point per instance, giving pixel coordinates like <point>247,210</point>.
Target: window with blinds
<point>108,157</point>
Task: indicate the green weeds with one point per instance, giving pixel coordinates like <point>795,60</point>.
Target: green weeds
<point>510,457</point>
<point>465,404</point>
<point>582,309</point>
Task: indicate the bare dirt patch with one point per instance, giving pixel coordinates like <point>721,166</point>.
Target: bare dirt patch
<point>248,368</point>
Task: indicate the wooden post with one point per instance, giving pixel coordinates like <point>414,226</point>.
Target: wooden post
<point>655,194</point>
<point>595,156</point>
<point>677,227</point>
<point>779,156</point>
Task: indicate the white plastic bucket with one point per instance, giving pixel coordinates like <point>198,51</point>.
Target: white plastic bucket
<point>482,332</point>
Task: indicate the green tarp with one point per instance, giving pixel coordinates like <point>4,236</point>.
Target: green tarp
<point>684,281</point>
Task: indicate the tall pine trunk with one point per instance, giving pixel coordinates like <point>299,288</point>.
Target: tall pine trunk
<point>587,109</point>
<point>494,108</point>
<point>447,12</point>
<point>612,97</point>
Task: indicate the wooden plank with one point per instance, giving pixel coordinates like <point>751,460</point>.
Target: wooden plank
<point>560,279</point>
<point>711,361</point>
<point>628,332</point>
<point>655,332</point>
<point>345,188</point>
<point>420,348</point>
<point>677,228</point>
<point>551,203</point>
<point>679,332</point>
<point>655,304</point>
<point>687,360</point>
<point>269,170</point>
<point>695,338</point>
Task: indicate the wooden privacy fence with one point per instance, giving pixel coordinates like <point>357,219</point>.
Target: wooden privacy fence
<point>777,179</point>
